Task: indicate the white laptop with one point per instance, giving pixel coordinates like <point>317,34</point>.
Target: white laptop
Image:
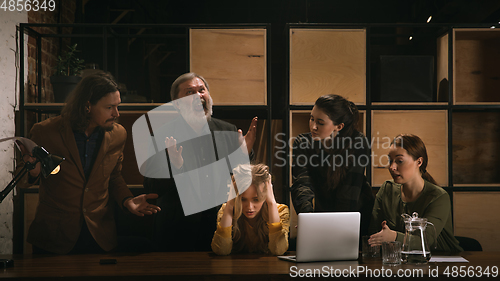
<point>327,237</point>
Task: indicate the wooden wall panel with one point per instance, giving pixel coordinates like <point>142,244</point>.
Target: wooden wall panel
<point>476,60</point>
<point>476,216</point>
<point>299,122</point>
<point>326,61</point>
<point>476,148</point>
<point>429,125</point>
<point>233,61</point>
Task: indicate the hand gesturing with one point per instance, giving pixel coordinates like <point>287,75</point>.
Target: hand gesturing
<point>140,206</point>
<point>174,153</point>
<point>250,136</point>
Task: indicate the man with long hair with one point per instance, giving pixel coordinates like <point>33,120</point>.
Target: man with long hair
<point>75,213</point>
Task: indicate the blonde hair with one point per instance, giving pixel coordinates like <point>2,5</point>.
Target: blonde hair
<point>241,242</point>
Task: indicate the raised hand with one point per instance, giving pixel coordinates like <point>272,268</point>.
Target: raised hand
<point>174,153</point>
<point>250,136</point>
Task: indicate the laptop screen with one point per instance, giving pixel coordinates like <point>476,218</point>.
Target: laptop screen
<point>328,236</point>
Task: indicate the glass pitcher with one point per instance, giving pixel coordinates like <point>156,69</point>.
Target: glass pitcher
<point>416,249</point>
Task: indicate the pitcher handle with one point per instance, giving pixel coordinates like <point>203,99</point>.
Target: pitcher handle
<point>435,234</point>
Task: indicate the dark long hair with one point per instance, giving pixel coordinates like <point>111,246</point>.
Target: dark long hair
<point>340,110</point>
<point>416,149</point>
<point>90,89</point>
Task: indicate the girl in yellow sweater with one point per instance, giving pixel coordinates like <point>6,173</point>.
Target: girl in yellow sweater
<point>252,222</point>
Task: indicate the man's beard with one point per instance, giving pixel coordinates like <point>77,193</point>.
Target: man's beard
<point>110,128</point>
<point>195,117</point>
<point>207,106</point>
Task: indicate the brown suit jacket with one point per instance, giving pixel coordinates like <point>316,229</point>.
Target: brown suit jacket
<point>67,199</point>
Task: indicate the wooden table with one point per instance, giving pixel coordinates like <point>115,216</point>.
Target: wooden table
<point>207,266</point>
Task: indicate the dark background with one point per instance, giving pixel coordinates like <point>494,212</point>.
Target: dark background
<point>142,78</point>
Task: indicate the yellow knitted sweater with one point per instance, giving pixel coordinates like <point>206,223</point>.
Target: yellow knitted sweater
<point>222,242</point>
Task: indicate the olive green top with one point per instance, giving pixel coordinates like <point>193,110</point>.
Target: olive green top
<point>432,204</point>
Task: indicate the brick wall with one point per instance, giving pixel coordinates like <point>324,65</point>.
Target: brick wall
<point>64,13</point>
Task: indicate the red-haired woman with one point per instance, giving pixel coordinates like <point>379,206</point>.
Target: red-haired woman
<point>412,190</point>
